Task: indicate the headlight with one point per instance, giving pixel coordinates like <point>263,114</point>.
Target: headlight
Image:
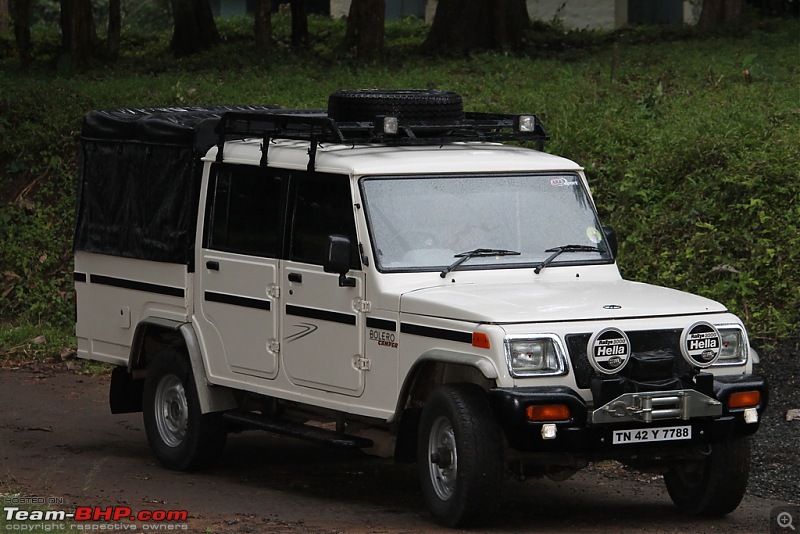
<point>734,348</point>
<point>534,356</point>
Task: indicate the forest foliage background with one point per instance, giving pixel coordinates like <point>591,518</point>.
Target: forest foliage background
<point>690,139</point>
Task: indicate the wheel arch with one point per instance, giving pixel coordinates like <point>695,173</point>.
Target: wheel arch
<point>433,369</point>
<point>152,335</point>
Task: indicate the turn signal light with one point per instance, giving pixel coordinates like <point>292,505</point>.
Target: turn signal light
<point>744,399</point>
<point>480,340</point>
<point>548,412</point>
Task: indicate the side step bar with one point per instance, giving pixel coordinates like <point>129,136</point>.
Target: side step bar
<point>296,430</point>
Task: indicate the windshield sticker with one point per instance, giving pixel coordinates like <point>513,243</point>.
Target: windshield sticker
<point>594,235</point>
<point>562,182</point>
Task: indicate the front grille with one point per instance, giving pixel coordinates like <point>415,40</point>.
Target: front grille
<point>651,352</point>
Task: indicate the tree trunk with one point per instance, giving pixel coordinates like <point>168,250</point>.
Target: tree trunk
<point>365,28</point>
<point>263,24</point>
<point>205,23</point>
<point>732,13</point>
<point>21,13</point>
<point>194,27</point>
<point>716,12</point>
<point>185,40</point>
<point>114,29</point>
<point>299,23</point>
<point>351,32</point>
<point>78,34</point>
<point>4,15</point>
<point>466,25</point>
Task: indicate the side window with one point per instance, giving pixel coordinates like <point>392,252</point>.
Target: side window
<point>246,212</point>
<point>322,206</point>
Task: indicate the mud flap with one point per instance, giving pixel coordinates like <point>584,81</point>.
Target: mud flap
<point>125,394</point>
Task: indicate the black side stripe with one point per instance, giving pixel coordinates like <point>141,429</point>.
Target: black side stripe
<point>438,333</point>
<point>322,315</point>
<point>381,324</point>
<point>235,300</point>
<point>136,285</point>
<point>79,277</point>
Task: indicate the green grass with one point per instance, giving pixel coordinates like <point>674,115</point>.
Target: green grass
<point>695,167</point>
<point>27,345</point>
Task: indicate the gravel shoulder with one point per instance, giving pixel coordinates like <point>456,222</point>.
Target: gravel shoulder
<point>776,445</point>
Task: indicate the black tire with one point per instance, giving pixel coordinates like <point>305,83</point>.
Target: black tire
<point>359,105</point>
<point>459,455</point>
<point>714,486</point>
<point>181,437</point>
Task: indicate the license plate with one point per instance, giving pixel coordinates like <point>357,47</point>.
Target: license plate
<point>643,435</point>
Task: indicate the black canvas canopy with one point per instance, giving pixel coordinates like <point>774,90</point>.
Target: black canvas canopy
<point>140,169</point>
<point>139,180</point>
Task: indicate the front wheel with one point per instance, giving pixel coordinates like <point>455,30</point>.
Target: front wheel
<point>460,455</point>
<point>715,485</point>
<point>180,435</point>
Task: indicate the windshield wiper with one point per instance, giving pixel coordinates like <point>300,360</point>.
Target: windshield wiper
<point>478,252</point>
<point>556,251</point>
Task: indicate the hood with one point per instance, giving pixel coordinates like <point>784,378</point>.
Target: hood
<point>553,301</point>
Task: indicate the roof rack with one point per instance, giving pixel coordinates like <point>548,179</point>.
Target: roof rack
<point>317,128</point>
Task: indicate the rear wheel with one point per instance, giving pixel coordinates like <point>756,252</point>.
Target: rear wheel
<point>714,486</point>
<point>180,435</point>
<point>460,455</point>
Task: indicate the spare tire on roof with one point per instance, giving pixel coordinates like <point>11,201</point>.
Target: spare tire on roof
<point>359,105</point>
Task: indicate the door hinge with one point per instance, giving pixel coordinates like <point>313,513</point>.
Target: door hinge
<point>361,363</point>
<point>274,291</point>
<point>274,346</point>
<point>361,305</point>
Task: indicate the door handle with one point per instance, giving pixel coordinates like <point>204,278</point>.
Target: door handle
<point>212,265</point>
<point>296,277</point>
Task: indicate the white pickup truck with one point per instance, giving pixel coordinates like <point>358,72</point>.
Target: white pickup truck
<point>389,272</point>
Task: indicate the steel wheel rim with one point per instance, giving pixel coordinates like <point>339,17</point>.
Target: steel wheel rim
<point>172,410</point>
<point>443,458</point>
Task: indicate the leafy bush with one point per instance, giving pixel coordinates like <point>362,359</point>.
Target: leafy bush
<point>695,164</point>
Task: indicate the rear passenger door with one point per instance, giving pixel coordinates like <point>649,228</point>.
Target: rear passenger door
<point>322,333</point>
<point>239,266</point>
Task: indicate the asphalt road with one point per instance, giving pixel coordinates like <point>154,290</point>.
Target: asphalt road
<point>59,442</point>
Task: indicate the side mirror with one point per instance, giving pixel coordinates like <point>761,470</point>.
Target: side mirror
<point>611,236</point>
<point>337,259</point>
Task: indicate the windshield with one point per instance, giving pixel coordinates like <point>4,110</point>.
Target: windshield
<point>423,223</point>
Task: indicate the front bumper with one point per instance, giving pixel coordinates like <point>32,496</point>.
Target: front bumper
<point>579,435</point>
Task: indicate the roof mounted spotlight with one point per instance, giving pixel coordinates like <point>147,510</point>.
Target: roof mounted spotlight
<point>524,123</point>
<point>386,125</point>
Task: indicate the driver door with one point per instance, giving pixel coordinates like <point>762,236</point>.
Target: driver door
<point>322,339</point>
